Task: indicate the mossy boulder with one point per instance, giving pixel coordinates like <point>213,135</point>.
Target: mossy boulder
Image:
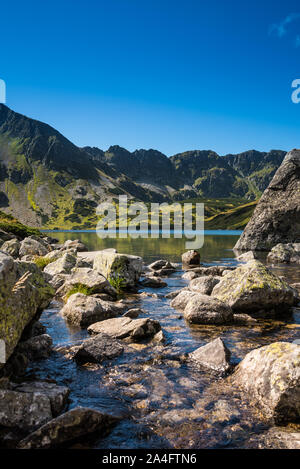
<point>270,376</point>
<point>23,293</point>
<point>110,263</point>
<point>252,287</point>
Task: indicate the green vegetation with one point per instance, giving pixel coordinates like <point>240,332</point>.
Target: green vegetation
<point>117,282</point>
<point>11,225</point>
<point>79,288</point>
<point>41,261</point>
<point>232,219</point>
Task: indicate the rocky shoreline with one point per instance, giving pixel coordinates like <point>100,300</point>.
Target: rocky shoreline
<point>96,294</point>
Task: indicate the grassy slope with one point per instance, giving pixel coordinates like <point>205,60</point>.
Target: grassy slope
<point>233,219</point>
<point>12,225</point>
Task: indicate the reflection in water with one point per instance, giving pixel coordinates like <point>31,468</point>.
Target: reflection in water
<point>162,400</point>
<point>216,246</point>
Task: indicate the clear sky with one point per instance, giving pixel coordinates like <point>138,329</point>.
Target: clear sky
<point>166,74</point>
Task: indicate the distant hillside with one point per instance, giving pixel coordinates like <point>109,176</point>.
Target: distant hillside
<point>46,180</point>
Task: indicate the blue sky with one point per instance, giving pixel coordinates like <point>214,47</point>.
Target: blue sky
<point>171,75</point>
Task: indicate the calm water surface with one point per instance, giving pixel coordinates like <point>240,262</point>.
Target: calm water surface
<point>162,401</point>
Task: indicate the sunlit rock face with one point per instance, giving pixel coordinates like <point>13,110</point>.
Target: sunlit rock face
<point>276,218</point>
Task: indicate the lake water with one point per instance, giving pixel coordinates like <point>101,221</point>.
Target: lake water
<point>217,245</point>
<point>162,401</point>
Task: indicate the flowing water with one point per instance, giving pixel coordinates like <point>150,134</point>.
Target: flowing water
<point>163,401</point>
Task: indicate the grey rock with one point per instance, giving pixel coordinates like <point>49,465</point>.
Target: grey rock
<point>97,349</point>
<point>11,247</point>
<point>270,376</point>
<point>181,300</point>
<point>110,263</point>
<point>153,282</point>
<point>67,427</point>
<point>33,247</point>
<point>63,265</point>
<point>285,253</point>
<point>37,347</point>
<point>214,355</point>
<point>134,313</point>
<point>83,310</point>
<point>276,218</point>
<point>25,411</point>
<point>133,330</point>
<point>204,285</point>
<point>57,395</point>
<point>253,287</point>
<point>203,309</point>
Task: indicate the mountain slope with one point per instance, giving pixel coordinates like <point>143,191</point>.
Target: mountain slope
<point>46,180</point>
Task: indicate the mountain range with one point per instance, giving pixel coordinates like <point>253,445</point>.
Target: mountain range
<point>47,181</point>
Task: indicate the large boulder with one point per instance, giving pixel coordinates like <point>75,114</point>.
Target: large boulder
<point>25,411</point>
<point>270,375</point>
<point>126,328</point>
<point>190,258</point>
<point>83,310</point>
<point>88,279</point>
<point>204,285</point>
<point>110,264</point>
<point>97,349</point>
<point>67,427</point>
<point>203,309</point>
<point>285,253</point>
<point>23,293</point>
<point>253,287</point>
<point>214,355</point>
<point>32,246</point>
<point>276,218</point>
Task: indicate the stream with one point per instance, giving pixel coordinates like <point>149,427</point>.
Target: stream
<point>162,401</point>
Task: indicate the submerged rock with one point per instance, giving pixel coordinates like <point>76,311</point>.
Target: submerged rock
<point>110,263</point>
<point>83,310</point>
<point>271,377</point>
<point>99,348</point>
<point>285,253</point>
<point>203,309</point>
<point>67,427</point>
<point>126,328</point>
<point>25,411</point>
<point>153,282</point>
<point>204,285</point>
<point>253,287</point>
<point>276,218</point>
<point>214,355</point>
<point>191,258</point>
